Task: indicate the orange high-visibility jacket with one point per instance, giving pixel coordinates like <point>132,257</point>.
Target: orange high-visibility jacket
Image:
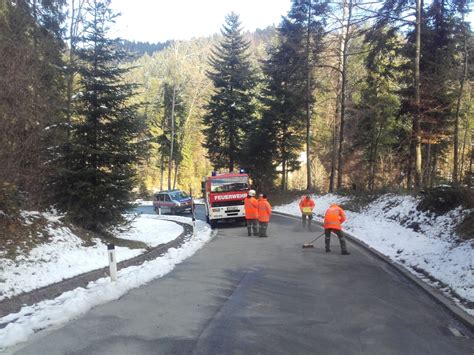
<point>304,202</point>
<point>251,207</point>
<point>264,210</point>
<point>334,217</point>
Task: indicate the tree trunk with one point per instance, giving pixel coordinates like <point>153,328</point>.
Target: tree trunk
<point>417,115</point>
<point>463,151</point>
<point>434,167</point>
<point>458,111</point>
<point>170,161</point>
<point>344,47</point>
<point>411,154</point>
<point>370,170</point>
<point>231,142</point>
<point>470,178</point>
<point>283,175</point>
<point>70,74</point>
<point>162,170</point>
<point>426,170</point>
<point>332,176</point>
<point>73,35</point>
<point>308,101</point>
<point>175,174</point>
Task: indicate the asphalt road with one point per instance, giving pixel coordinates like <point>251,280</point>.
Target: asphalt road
<point>248,295</point>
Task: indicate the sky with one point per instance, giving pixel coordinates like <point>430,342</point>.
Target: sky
<point>161,20</point>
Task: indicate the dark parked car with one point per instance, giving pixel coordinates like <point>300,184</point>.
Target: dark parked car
<point>172,201</point>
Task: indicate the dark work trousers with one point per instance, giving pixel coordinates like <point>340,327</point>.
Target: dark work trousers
<point>262,227</point>
<point>308,217</point>
<point>252,225</point>
<point>327,238</point>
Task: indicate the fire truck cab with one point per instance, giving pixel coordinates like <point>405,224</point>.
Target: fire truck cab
<point>224,196</point>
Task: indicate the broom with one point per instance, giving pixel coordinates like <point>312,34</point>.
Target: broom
<point>310,244</point>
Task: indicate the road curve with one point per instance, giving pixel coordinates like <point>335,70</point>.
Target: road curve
<point>248,295</point>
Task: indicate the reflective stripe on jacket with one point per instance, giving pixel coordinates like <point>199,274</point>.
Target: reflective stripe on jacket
<point>251,208</point>
<point>264,210</point>
<point>305,204</point>
<point>334,217</point>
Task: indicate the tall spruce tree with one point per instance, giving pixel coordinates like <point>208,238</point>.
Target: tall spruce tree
<point>285,100</point>
<point>378,127</point>
<point>97,177</point>
<point>289,71</point>
<point>393,13</point>
<point>230,109</point>
<point>308,28</point>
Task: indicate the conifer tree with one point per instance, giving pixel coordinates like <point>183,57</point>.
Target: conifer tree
<point>290,83</point>
<point>285,99</point>
<point>230,109</point>
<point>31,84</point>
<point>308,27</point>
<point>379,129</point>
<point>97,176</point>
<point>432,43</point>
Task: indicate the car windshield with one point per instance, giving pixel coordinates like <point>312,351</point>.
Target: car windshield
<point>237,183</point>
<point>178,195</point>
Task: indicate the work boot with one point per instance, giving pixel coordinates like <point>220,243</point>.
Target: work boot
<point>327,243</point>
<point>342,241</point>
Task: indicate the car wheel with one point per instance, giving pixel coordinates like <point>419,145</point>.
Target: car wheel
<point>213,223</point>
<point>172,211</point>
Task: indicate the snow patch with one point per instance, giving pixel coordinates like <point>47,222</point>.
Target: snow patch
<point>65,255</point>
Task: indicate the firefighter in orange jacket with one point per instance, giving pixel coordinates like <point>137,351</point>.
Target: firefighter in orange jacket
<point>306,208</point>
<point>264,213</point>
<point>333,218</point>
<point>251,213</point>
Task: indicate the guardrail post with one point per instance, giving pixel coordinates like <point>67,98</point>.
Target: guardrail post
<point>112,262</point>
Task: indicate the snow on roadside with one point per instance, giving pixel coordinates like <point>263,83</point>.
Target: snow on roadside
<point>72,304</point>
<point>66,255</point>
<point>417,240</point>
<point>198,201</point>
<point>140,202</point>
<point>321,204</point>
<point>152,231</point>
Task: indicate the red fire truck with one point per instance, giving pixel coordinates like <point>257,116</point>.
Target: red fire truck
<point>224,196</point>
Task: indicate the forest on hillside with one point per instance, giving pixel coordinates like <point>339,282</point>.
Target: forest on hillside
<point>376,96</point>
<point>342,94</point>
